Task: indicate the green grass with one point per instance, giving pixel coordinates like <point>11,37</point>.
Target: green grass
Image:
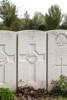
<point>57,99</point>
<point>48,98</point>
<point>52,99</point>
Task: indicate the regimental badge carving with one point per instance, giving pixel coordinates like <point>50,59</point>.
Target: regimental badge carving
<point>61,39</point>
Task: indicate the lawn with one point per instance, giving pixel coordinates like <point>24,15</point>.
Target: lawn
<point>55,99</point>
<point>42,99</point>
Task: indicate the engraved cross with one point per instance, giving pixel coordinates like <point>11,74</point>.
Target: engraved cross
<point>32,57</point>
<point>4,59</point>
<point>62,65</point>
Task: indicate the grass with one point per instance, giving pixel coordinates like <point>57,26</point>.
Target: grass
<point>60,98</point>
<point>55,99</point>
<point>52,99</point>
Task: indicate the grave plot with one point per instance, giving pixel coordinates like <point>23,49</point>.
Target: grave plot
<point>7,60</point>
<point>32,58</point>
<point>57,55</point>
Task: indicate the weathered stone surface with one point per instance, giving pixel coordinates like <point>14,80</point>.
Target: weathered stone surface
<point>57,54</point>
<point>7,59</point>
<point>32,58</point>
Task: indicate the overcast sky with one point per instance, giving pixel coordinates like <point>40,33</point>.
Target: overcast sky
<point>38,5</point>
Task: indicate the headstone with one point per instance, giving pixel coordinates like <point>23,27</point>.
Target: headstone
<point>57,55</point>
<point>7,60</point>
<point>32,58</point>
<point>40,59</point>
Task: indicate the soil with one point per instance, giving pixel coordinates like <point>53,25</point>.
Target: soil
<point>29,93</point>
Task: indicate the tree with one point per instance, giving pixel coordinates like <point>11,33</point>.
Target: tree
<point>64,23</point>
<point>16,25</point>
<point>26,20</point>
<point>7,12</point>
<point>38,20</point>
<point>53,17</point>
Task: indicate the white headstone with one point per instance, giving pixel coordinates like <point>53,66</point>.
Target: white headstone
<point>32,58</point>
<point>57,54</point>
<point>7,60</point>
<point>32,52</point>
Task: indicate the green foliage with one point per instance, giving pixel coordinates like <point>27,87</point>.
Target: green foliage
<point>7,12</point>
<point>11,21</point>
<point>60,98</point>
<point>16,25</point>
<point>26,20</point>
<point>53,17</point>
<point>60,87</point>
<point>3,27</point>
<point>38,20</point>
<point>63,27</point>
<point>64,23</point>
<point>6,94</point>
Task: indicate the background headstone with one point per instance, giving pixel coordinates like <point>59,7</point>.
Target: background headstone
<point>32,58</point>
<point>57,54</point>
<point>8,59</point>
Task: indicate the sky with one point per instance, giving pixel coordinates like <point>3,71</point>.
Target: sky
<point>37,5</point>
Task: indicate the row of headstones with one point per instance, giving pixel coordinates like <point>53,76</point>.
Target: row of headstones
<point>32,58</point>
